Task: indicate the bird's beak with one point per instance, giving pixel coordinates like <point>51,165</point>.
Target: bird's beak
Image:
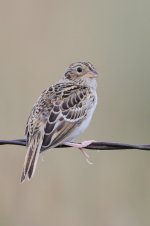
<point>91,74</point>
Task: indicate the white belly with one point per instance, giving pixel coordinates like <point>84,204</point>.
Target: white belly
<point>83,126</point>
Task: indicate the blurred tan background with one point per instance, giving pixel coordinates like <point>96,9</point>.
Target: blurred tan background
<point>38,40</point>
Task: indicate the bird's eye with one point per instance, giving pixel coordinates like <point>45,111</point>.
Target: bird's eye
<point>79,69</point>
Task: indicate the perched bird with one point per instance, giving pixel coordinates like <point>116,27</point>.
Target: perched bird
<point>62,112</point>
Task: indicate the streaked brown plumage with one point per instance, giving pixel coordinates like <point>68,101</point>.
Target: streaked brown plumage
<point>61,113</point>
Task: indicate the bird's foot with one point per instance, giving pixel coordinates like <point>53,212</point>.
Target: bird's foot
<point>80,146</point>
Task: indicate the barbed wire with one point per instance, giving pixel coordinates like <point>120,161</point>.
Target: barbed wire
<point>96,145</point>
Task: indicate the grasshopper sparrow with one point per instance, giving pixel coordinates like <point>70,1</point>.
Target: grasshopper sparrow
<point>62,112</point>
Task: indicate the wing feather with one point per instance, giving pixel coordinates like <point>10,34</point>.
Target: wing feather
<point>71,110</point>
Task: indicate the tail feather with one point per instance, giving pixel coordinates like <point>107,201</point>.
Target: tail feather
<point>32,168</point>
<point>32,156</point>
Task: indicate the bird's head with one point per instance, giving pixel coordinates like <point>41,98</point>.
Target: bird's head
<point>81,72</point>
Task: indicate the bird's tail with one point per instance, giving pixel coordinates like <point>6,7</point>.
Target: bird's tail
<point>32,156</point>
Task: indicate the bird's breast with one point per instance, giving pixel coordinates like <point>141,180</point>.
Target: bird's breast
<point>85,123</point>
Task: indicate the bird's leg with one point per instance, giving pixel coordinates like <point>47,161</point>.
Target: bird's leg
<point>83,144</point>
<point>80,146</point>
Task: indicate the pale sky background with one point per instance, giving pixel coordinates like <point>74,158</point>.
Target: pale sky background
<point>38,40</point>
